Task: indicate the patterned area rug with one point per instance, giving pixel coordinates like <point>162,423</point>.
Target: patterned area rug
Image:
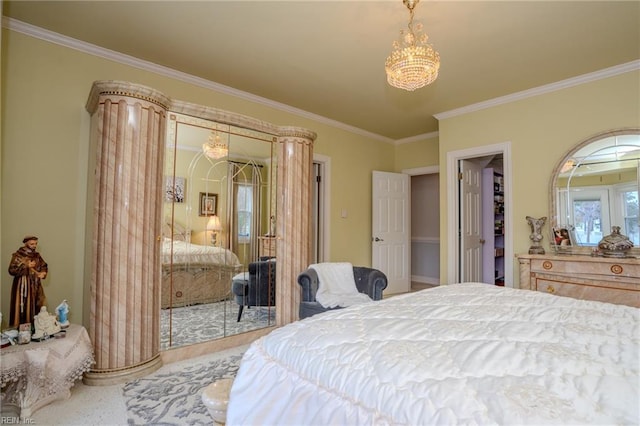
<point>200,323</point>
<point>173,394</point>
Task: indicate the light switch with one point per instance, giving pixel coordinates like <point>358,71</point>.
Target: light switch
<point>343,214</point>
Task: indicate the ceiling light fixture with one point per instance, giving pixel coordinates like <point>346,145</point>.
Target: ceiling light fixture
<point>413,63</point>
<point>215,148</point>
<point>568,165</point>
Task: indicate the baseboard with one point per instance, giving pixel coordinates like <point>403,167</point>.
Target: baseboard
<point>425,280</point>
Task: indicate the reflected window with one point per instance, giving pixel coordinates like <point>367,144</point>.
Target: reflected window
<point>589,213</point>
<point>588,218</point>
<point>630,215</point>
<point>244,205</point>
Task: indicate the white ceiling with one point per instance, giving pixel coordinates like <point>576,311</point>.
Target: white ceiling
<point>327,57</point>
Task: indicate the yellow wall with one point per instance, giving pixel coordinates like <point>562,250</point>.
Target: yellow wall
<point>45,159</point>
<point>412,155</point>
<point>351,165</point>
<point>541,130</point>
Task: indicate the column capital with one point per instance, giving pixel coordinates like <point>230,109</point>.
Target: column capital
<point>103,88</point>
<point>285,133</point>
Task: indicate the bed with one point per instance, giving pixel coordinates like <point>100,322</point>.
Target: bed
<point>195,273</point>
<point>457,354</point>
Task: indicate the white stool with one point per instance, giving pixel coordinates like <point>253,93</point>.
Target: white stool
<point>216,398</point>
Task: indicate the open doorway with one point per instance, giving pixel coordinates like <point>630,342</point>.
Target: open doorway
<point>425,227</point>
<point>476,220</point>
<point>320,208</point>
<point>481,219</point>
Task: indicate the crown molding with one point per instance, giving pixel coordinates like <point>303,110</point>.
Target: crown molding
<point>548,88</point>
<point>91,49</point>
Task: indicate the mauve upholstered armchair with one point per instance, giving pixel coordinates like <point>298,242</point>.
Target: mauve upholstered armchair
<point>368,281</point>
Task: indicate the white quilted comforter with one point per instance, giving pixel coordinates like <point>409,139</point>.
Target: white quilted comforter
<point>457,354</point>
<point>185,252</point>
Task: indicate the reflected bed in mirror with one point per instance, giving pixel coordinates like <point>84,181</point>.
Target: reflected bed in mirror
<point>594,188</point>
<point>212,233</point>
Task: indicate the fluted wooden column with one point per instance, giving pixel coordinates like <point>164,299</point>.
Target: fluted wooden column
<point>293,223</point>
<point>127,139</point>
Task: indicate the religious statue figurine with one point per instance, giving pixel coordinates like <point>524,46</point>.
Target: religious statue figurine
<point>536,234</point>
<point>45,323</point>
<point>63,314</point>
<point>28,268</point>
<point>272,228</point>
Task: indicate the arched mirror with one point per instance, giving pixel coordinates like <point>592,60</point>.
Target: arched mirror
<point>218,279</point>
<point>594,188</point>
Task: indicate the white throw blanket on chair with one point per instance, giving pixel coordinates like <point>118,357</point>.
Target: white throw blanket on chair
<point>336,285</point>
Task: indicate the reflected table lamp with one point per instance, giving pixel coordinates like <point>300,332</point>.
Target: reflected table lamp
<point>213,225</point>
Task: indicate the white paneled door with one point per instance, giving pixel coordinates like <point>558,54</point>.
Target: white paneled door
<point>391,231</point>
<point>471,221</point>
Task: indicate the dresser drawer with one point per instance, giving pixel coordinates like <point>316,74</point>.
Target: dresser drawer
<point>620,293</point>
<point>583,277</point>
<point>610,268</point>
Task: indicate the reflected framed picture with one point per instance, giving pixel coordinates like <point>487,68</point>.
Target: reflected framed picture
<point>174,189</point>
<point>563,237</point>
<point>208,204</point>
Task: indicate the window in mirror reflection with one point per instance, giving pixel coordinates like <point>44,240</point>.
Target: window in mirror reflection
<point>588,220</point>
<point>244,212</point>
<point>629,199</point>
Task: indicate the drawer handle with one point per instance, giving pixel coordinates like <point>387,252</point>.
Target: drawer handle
<point>551,289</point>
<point>616,269</point>
<point>547,265</point>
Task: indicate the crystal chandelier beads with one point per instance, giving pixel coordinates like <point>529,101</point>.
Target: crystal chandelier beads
<point>413,63</point>
<point>215,148</point>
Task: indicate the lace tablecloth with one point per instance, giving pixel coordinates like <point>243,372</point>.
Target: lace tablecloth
<point>38,373</point>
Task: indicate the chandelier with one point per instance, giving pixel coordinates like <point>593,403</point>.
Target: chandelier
<point>413,63</point>
<point>568,165</point>
<point>215,148</point>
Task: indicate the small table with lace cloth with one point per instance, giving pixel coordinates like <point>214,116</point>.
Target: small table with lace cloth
<point>38,373</point>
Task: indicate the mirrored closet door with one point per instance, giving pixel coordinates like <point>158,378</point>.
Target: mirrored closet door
<point>218,242</point>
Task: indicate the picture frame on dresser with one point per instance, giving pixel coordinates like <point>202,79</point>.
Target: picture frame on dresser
<point>563,238</point>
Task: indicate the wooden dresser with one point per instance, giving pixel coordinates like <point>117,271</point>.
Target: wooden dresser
<point>582,277</point>
<point>267,246</point>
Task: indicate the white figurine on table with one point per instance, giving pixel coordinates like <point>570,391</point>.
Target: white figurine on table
<point>45,323</point>
<point>63,314</point>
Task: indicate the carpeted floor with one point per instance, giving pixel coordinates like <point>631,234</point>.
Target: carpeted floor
<point>170,396</point>
<point>174,397</point>
<point>201,323</point>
